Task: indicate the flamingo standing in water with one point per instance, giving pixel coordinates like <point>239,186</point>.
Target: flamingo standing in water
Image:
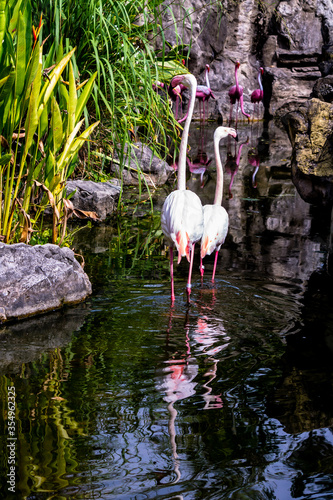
<point>258,94</point>
<point>204,92</point>
<point>236,95</point>
<point>216,220</point>
<point>182,213</point>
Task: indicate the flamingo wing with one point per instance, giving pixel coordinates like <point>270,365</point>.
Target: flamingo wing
<point>216,222</point>
<point>182,221</point>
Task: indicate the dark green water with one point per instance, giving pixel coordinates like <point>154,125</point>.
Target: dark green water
<point>125,397</point>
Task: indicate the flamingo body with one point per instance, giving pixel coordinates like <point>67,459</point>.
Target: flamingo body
<point>204,93</point>
<point>257,96</point>
<point>216,223</point>
<point>216,220</point>
<point>182,221</point>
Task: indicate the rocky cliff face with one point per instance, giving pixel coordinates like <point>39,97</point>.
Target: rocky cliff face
<point>292,40</point>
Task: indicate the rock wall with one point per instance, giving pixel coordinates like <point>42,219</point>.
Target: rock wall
<point>291,40</point>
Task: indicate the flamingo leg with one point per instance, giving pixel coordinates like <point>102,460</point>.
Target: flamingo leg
<point>202,268</point>
<point>171,276</point>
<point>176,112</point>
<point>188,286</point>
<point>215,263</point>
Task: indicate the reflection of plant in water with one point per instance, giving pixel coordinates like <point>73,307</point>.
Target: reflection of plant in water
<point>44,450</point>
<point>135,247</point>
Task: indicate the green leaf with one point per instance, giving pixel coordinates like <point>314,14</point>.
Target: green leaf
<point>53,80</point>
<point>32,118</point>
<point>72,100</point>
<point>84,96</point>
<point>5,159</point>
<point>2,23</point>
<point>21,51</point>
<point>56,126</point>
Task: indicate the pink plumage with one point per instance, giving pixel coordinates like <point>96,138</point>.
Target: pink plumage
<point>258,94</point>
<point>236,96</point>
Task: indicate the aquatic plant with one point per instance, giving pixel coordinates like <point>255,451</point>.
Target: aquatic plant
<point>40,126</point>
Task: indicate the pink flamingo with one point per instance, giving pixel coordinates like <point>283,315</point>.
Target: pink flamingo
<point>175,94</point>
<point>204,92</point>
<point>236,95</point>
<point>258,94</point>
<point>216,220</point>
<point>182,213</point>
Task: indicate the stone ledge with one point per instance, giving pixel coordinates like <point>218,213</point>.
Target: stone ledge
<point>37,279</point>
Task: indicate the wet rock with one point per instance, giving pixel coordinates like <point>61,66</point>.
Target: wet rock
<point>37,279</point>
<point>141,166</point>
<point>309,127</point>
<point>98,197</point>
<point>323,89</point>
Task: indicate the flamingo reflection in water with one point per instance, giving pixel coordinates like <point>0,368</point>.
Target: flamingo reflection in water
<point>233,161</point>
<point>176,381</point>
<point>210,339</point>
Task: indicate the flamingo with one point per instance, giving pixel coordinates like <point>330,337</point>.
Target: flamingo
<point>204,92</point>
<point>258,94</point>
<point>175,94</point>
<point>216,220</point>
<point>236,95</point>
<point>182,213</point>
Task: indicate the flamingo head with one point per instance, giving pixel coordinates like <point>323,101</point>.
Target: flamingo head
<point>222,132</point>
<point>261,70</point>
<point>207,67</point>
<point>187,80</point>
<point>237,65</point>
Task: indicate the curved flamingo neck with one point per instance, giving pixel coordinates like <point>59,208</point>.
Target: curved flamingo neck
<point>207,78</point>
<point>181,183</point>
<point>259,81</point>
<point>219,172</point>
<point>236,78</point>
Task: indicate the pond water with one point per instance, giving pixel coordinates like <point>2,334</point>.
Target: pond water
<point>127,397</point>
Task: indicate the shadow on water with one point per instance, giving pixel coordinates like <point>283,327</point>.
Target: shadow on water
<point>126,397</point>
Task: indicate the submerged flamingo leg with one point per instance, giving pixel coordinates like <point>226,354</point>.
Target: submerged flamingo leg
<point>188,286</point>
<point>171,276</point>
<point>215,262</point>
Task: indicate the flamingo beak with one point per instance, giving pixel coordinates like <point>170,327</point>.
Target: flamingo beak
<point>236,137</point>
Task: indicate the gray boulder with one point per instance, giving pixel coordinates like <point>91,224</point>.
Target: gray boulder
<point>94,197</point>
<point>37,279</point>
<point>309,127</point>
<point>141,165</point>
